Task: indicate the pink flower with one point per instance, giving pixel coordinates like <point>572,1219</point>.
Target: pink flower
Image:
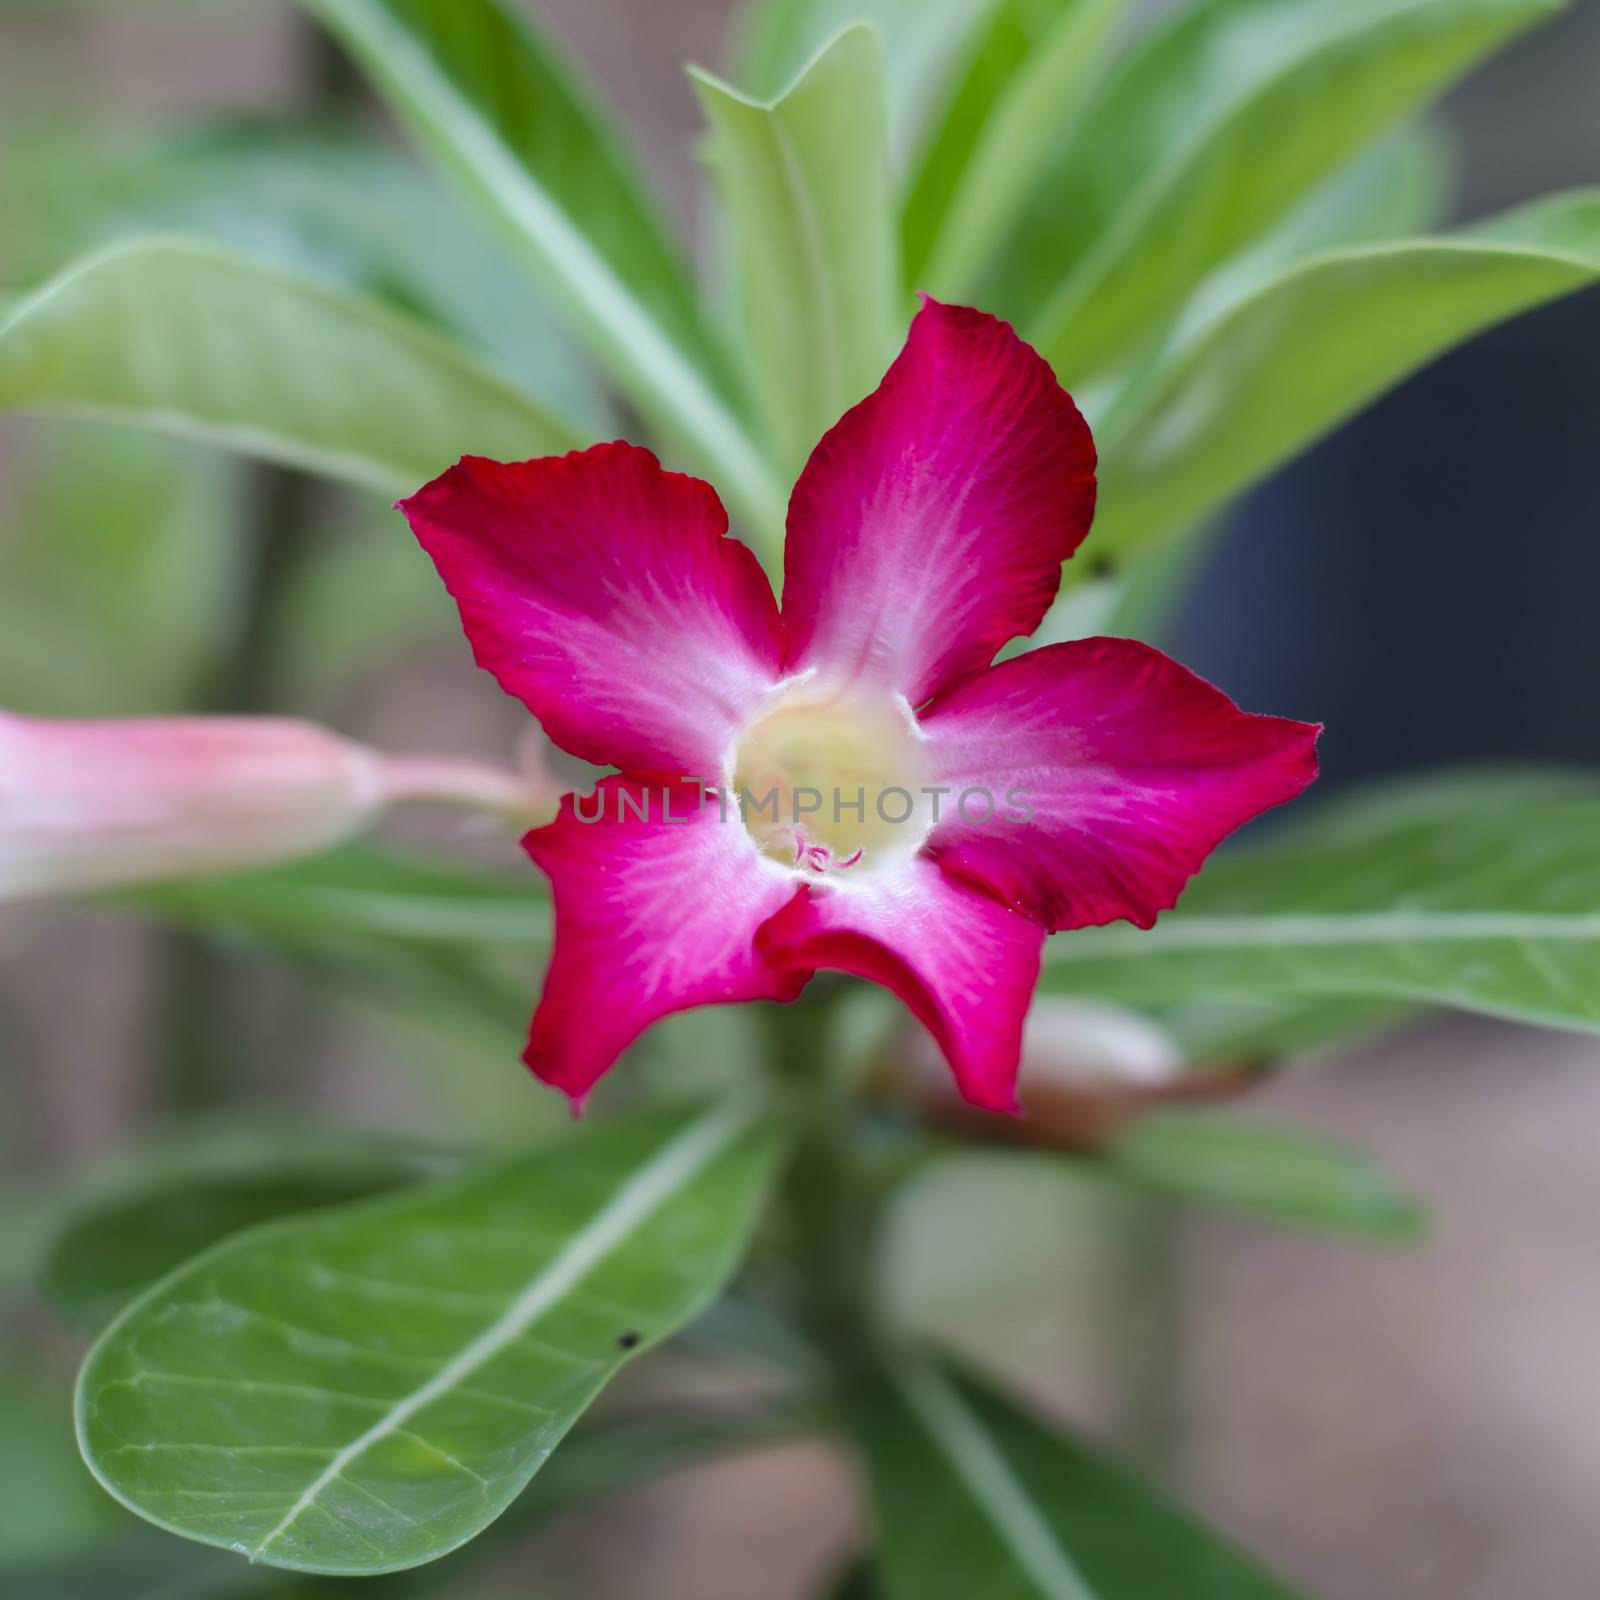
<point>104,805</point>
<point>927,529</point>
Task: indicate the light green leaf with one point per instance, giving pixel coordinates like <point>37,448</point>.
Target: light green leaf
<point>195,339</point>
<point>372,891</point>
<point>1181,74</point>
<point>331,202</point>
<point>420,929</point>
<point>507,119</point>
<point>805,186</point>
<point>975,1498</point>
<point>1396,189</point>
<point>1289,1177</point>
<point>1352,71</point>
<point>1023,88</point>
<point>1177,75</point>
<point>1244,393</point>
<point>774,39</point>
<point>365,1389</point>
<point>1484,895</point>
<point>344,207</point>
<point>189,1194</point>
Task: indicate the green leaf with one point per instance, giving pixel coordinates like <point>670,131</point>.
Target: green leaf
<point>774,39</point>
<point>420,929</point>
<point>975,1498</point>
<point>366,890</point>
<point>195,339</point>
<point>327,200</point>
<point>1396,189</point>
<point>805,185</point>
<point>1182,73</point>
<point>1026,84</point>
<point>1176,76</point>
<point>1352,71</point>
<point>504,115</point>
<point>1242,394</point>
<point>1481,894</point>
<point>365,1389</point>
<point>1289,1177</point>
<point>343,207</point>
<point>189,1194</point>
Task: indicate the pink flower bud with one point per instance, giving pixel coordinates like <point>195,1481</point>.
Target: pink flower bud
<point>99,805</point>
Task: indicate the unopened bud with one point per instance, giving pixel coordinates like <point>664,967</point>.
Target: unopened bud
<point>106,805</point>
<point>101,805</point>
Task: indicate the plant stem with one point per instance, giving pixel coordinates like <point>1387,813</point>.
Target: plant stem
<point>828,1206</point>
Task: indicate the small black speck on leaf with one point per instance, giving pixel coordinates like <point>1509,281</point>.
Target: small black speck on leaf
<point>1101,566</point>
<point>627,1339</point>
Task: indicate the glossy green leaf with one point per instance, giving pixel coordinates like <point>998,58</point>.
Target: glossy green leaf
<point>974,1497</point>
<point>1353,71</point>
<point>1242,394</point>
<point>365,1389</point>
<point>1483,894</point>
<point>188,1195</point>
<point>1289,1177</point>
<point>1022,89</point>
<point>504,115</point>
<point>805,187</point>
<point>195,339</point>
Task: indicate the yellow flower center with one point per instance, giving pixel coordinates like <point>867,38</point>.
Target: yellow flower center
<point>832,782</point>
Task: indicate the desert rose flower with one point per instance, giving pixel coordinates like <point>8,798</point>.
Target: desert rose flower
<point>103,805</point>
<point>932,817</point>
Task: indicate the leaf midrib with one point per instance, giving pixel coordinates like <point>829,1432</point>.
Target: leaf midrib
<point>644,1192</point>
<point>983,1471</point>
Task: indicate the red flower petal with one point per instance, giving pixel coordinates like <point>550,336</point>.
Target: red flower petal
<point>1134,768</point>
<point>930,524</point>
<point>654,914</point>
<point>964,964</point>
<point>600,591</point>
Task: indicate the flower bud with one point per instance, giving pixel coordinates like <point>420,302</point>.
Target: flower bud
<point>100,805</point>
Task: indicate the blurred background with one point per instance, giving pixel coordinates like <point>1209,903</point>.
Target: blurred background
<point>1416,1425</point>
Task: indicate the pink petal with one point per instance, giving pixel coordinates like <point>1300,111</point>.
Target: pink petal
<point>1134,769</point>
<point>602,593</point>
<point>965,965</point>
<point>653,915</point>
<point>930,524</point>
